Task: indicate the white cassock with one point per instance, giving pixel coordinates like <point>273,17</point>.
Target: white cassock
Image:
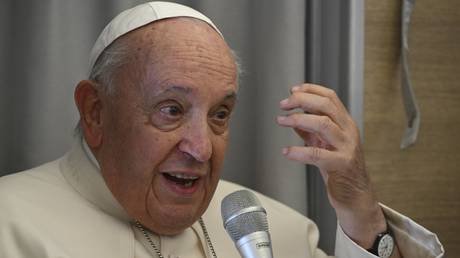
<point>64,209</point>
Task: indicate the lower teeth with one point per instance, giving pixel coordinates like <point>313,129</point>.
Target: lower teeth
<point>188,184</point>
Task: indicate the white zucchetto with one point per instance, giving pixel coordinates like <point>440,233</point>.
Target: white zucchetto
<point>137,17</point>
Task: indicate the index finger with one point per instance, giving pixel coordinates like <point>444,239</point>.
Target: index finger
<point>321,91</point>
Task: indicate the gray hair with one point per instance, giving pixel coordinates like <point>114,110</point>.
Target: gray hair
<point>115,56</point>
<point>112,58</point>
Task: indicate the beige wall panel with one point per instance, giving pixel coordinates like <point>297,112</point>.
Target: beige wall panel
<point>423,181</point>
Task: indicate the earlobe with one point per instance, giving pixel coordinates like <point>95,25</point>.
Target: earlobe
<point>89,105</point>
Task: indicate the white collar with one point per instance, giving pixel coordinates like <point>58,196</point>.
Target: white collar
<point>90,154</point>
<point>81,170</point>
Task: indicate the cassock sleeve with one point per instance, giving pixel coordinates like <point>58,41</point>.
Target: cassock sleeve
<point>413,240</point>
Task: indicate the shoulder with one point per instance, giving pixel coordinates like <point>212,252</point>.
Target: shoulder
<point>25,191</point>
<point>23,199</point>
<point>42,215</point>
<point>24,183</point>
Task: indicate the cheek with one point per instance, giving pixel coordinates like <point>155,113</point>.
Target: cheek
<point>219,148</point>
<point>221,143</point>
<point>138,151</point>
<point>148,150</point>
<point>137,167</point>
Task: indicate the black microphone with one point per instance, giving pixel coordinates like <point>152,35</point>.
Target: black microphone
<point>245,220</point>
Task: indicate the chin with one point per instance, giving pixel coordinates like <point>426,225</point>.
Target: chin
<point>170,231</point>
<point>173,221</point>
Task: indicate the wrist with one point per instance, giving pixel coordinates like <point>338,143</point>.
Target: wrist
<point>363,226</point>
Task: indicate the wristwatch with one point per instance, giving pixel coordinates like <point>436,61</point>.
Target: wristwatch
<point>383,245</point>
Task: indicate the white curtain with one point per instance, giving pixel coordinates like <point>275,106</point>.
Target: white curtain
<point>44,51</point>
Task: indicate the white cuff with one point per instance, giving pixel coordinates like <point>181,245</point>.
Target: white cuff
<point>412,239</point>
<point>347,248</point>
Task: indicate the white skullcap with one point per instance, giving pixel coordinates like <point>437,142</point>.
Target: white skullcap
<point>139,16</point>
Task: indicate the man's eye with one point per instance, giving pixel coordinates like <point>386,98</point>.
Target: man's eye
<point>220,119</point>
<point>222,114</point>
<point>172,111</point>
<point>167,116</point>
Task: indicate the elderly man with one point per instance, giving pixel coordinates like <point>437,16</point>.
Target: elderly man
<point>142,179</point>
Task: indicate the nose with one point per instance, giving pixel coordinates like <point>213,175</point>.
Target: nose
<point>196,142</point>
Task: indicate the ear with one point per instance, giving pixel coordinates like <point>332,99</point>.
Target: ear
<point>89,104</point>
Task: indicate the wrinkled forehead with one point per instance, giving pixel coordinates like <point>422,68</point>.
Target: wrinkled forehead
<point>179,50</point>
<point>185,43</point>
<point>172,33</point>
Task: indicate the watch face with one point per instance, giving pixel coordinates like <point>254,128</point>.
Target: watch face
<point>386,246</point>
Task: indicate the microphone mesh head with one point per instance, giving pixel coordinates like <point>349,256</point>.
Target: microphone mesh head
<point>245,223</point>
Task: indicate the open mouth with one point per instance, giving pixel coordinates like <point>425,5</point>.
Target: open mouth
<point>183,180</point>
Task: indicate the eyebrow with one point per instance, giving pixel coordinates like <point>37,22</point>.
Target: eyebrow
<point>176,88</point>
<point>231,95</point>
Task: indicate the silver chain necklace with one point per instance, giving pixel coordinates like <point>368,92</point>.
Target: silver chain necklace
<point>157,250</point>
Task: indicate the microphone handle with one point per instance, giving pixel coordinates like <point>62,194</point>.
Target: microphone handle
<point>255,245</point>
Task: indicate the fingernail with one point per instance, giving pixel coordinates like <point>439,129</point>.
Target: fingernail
<point>284,151</point>
<point>295,88</point>
<point>281,118</point>
<point>284,102</point>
